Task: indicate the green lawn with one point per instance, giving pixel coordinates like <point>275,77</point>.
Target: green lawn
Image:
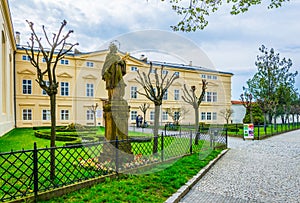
<point>23,138</point>
<point>153,187</point>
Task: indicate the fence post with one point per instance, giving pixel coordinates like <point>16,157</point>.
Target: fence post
<point>258,131</point>
<point>226,137</point>
<point>117,155</point>
<point>162,146</point>
<point>191,142</point>
<point>35,172</point>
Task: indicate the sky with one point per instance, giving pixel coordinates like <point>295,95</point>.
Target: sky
<point>229,43</point>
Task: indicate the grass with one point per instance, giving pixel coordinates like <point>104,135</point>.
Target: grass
<point>154,187</point>
<point>23,138</point>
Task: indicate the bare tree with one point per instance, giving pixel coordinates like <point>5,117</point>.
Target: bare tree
<point>144,107</point>
<point>155,91</point>
<point>93,109</point>
<point>46,76</point>
<point>191,98</point>
<point>226,114</point>
<point>176,114</point>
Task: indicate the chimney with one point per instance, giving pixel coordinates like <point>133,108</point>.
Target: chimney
<point>18,39</point>
<point>143,58</point>
<point>191,63</point>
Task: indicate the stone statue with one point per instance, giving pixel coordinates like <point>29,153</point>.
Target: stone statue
<point>114,69</point>
<point>116,109</point>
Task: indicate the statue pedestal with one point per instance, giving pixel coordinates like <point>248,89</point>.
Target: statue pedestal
<point>116,113</point>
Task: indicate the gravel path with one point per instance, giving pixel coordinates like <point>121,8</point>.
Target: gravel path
<point>253,171</point>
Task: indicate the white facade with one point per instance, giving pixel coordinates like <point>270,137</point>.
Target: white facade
<point>7,118</point>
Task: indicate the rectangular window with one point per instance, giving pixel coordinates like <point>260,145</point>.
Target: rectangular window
<point>64,115</point>
<point>176,95</point>
<point>209,77</point>
<point>46,116</point>
<point>164,72</point>
<point>152,115</point>
<point>64,62</point>
<point>208,116</point>
<point>214,116</point>
<point>176,115</point>
<point>215,97</point>
<point>203,76</point>
<point>208,97</point>
<point>64,88</point>
<point>133,93</point>
<point>214,77</point>
<point>134,68</point>
<point>153,71</point>
<point>165,96</point>
<point>89,90</point>
<point>165,115</point>
<point>47,84</point>
<point>27,114</point>
<point>27,88</point>
<point>177,73</point>
<point>204,98</point>
<point>133,115</point>
<point>25,58</point>
<point>203,116</point>
<point>89,64</point>
<point>89,115</point>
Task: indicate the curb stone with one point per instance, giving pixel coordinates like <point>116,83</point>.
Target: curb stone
<point>181,192</point>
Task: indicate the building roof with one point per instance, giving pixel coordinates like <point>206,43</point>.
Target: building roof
<point>237,102</point>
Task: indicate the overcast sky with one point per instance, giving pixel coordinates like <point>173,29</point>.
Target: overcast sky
<point>229,43</point>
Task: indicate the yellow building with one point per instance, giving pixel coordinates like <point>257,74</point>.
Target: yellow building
<point>8,46</point>
<point>81,86</point>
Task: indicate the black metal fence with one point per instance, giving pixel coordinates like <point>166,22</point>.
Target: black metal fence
<point>27,173</point>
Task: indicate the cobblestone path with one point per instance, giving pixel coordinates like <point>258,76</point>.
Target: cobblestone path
<point>253,171</point>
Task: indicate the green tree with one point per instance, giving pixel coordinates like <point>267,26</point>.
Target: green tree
<point>195,12</point>
<point>46,76</point>
<point>154,90</point>
<point>257,115</point>
<point>272,73</point>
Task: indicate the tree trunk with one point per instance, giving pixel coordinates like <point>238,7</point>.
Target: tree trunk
<point>265,122</point>
<point>251,116</point>
<point>53,135</point>
<point>197,126</point>
<point>155,131</point>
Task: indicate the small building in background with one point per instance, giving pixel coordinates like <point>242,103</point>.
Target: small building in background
<point>239,111</point>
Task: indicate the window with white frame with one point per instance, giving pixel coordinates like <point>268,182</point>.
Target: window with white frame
<point>215,97</point>
<point>214,77</point>
<point>64,115</point>
<point>209,77</point>
<point>27,114</point>
<point>89,90</point>
<point>203,116</point>
<point>204,97</point>
<point>25,58</point>
<point>208,116</point>
<point>133,115</point>
<point>152,115</point>
<point>165,96</point>
<point>165,115</point>
<point>64,62</point>
<point>64,88</point>
<point>134,68</point>
<point>89,115</point>
<point>214,117</point>
<point>90,64</point>
<point>176,95</point>
<point>27,86</point>
<point>133,92</point>
<point>47,84</point>
<point>203,76</point>
<point>176,115</point>
<point>46,116</point>
<point>209,97</point>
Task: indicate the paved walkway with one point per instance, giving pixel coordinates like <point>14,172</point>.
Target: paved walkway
<point>253,171</point>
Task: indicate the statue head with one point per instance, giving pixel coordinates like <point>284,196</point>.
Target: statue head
<point>113,48</point>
